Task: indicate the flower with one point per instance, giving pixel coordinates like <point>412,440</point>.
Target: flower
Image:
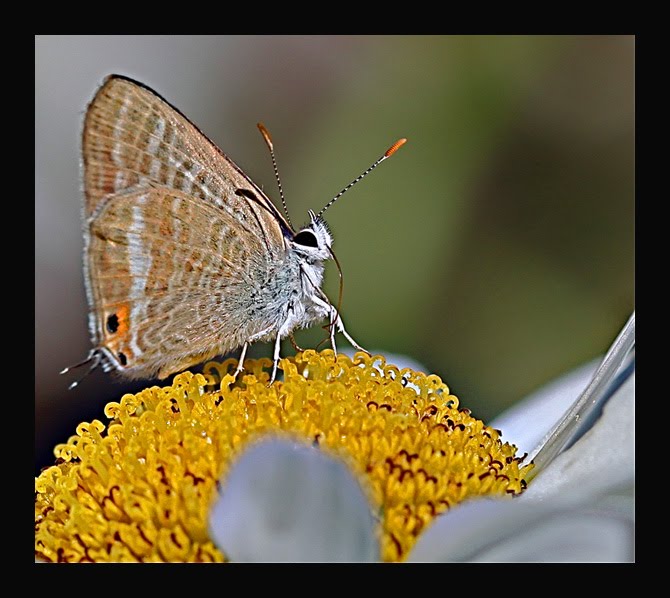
<point>346,460</point>
<point>141,489</point>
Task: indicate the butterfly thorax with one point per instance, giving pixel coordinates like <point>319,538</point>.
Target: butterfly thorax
<point>298,282</point>
<point>284,293</point>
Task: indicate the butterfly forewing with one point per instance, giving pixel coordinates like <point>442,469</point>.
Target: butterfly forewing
<point>172,228</point>
<point>133,138</point>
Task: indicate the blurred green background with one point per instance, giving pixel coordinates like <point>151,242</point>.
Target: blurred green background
<point>496,247</point>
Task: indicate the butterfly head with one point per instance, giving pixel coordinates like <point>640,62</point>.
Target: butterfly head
<point>313,241</point>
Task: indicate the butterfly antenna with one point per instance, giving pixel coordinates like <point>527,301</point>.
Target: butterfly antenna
<point>387,154</point>
<point>268,140</point>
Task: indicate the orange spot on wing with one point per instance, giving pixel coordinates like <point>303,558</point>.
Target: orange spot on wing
<point>123,313</point>
<point>120,323</point>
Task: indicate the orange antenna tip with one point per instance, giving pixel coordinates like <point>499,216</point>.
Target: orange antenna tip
<point>395,147</point>
<point>266,134</point>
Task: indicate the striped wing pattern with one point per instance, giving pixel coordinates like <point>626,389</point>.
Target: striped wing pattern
<point>176,236</point>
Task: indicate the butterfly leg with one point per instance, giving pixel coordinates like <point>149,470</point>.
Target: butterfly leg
<point>240,363</point>
<point>340,327</point>
<point>333,319</point>
<point>337,325</point>
<point>255,337</point>
<point>328,308</point>
<point>275,360</point>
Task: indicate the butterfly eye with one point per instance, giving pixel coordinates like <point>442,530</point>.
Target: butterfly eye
<point>306,238</point>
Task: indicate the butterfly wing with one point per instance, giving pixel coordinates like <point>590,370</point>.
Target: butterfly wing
<point>133,139</point>
<point>174,230</point>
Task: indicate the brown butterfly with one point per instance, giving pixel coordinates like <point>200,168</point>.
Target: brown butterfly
<point>186,258</point>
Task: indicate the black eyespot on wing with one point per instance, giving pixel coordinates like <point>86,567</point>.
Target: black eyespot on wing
<point>122,358</point>
<point>306,238</point>
<point>112,323</point>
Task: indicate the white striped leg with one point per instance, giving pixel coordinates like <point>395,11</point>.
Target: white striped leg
<point>335,317</point>
<point>340,327</point>
<point>275,360</point>
<point>252,339</point>
<point>240,363</point>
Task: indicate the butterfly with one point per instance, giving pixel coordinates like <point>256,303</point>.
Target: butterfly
<point>185,257</point>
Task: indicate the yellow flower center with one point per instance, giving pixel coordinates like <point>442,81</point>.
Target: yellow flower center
<point>141,489</point>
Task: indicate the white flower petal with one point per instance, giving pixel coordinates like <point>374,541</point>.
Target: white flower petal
<point>615,369</point>
<point>530,420</point>
<point>602,460</point>
<point>287,502</point>
<point>489,530</point>
<point>566,537</point>
<point>459,533</point>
